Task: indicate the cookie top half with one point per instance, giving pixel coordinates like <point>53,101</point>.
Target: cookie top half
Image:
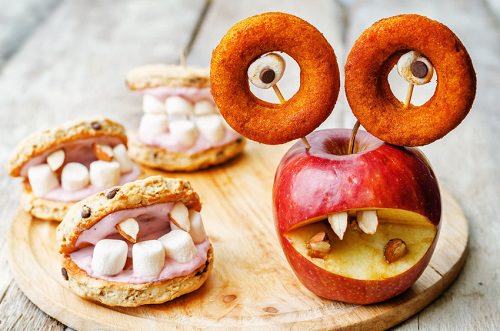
<point>163,75</point>
<point>40,142</point>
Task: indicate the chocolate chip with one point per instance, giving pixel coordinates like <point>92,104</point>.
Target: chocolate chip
<point>96,125</point>
<point>239,140</point>
<point>86,212</point>
<point>111,194</point>
<point>267,76</point>
<point>64,273</point>
<point>419,69</point>
<point>155,155</point>
<point>220,153</point>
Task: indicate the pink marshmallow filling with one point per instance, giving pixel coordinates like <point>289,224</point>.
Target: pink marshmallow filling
<point>153,223</point>
<point>193,94</point>
<point>166,141</point>
<point>79,151</point>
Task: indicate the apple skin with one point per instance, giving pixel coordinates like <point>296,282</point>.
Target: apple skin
<point>313,183</point>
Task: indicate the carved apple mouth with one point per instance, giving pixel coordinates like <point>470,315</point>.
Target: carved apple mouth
<point>402,238</point>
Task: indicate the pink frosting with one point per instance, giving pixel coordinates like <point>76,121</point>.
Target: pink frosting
<point>79,151</point>
<point>193,94</point>
<point>153,223</point>
<point>76,151</point>
<point>166,141</point>
<point>59,194</point>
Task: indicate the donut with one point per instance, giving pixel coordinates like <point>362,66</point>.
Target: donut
<point>373,56</point>
<point>259,120</point>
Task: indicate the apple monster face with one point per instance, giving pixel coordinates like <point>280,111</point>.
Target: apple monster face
<point>360,227</point>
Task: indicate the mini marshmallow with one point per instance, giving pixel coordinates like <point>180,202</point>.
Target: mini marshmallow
<point>74,176</point>
<point>176,105</point>
<point>148,258</point>
<point>152,105</point>
<point>179,246</point>
<point>42,179</point>
<point>109,257</point>
<point>204,107</point>
<point>184,132</point>
<point>266,71</point>
<point>104,174</point>
<point>405,63</point>
<point>197,231</point>
<point>153,124</point>
<point>211,127</point>
<point>121,156</point>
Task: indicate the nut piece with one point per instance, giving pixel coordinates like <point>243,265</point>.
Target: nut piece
<point>103,152</point>
<point>319,245</point>
<point>394,250</point>
<point>56,159</point>
<point>338,222</point>
<point>179,215</point>
<point>129,229</point>
<point>367,221</point>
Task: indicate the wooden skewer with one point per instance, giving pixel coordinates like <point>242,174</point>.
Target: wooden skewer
<point>282,100</point>
<point>353,137</point>
<point>408,95</point>
<point>182,58</point>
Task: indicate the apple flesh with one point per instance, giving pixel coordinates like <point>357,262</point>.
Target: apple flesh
<point>396,182</point>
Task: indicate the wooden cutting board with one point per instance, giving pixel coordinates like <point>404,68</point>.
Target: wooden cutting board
<point>251,285</point>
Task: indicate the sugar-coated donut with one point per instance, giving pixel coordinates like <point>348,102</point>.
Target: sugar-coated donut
<point>373,56</point>
<point>260,120</point>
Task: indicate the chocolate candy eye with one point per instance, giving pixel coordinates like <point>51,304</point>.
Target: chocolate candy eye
<point>415,68</point>
<point>266,71</point>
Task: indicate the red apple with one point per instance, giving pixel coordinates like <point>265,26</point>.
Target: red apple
<point>396,182</point>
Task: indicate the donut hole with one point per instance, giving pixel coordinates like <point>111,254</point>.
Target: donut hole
<point>421,93</point>
<point>288,84</point>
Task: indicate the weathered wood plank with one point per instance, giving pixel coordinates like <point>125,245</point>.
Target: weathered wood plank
<point>18,19</point>
<point>74,67</point>
<point>326,15</point>
<point>466,160</point>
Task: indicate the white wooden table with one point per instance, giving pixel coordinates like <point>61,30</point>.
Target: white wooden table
<point>62,60</point>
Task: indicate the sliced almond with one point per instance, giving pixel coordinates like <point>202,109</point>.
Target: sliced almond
<point>338,222</point>
<point>320,236</point>
<point>394,250</point>
<point>129,229</point>
<point>367,221</point>
<point>319,245</point>
<point>179,215</point>
<point>103,152</point>
<point>56,159</point>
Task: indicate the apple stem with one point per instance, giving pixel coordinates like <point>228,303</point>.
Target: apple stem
<point>409,93</point>
<point>353,137</point>
<point>282,100</point>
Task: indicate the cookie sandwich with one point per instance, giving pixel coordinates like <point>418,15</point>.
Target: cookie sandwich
<point>68,163</point>
<point>181,128</point>
<point>136,244</point>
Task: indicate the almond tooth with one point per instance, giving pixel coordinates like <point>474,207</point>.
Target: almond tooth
<point>338,222</point>
<point>103,152</point>
<point>320,236</point>
<point>322,246</point>
<point>367,221</point>
<point>129,229</point>
<point>179,215</point>
<point>394,250</point>
<point>56,159</point>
